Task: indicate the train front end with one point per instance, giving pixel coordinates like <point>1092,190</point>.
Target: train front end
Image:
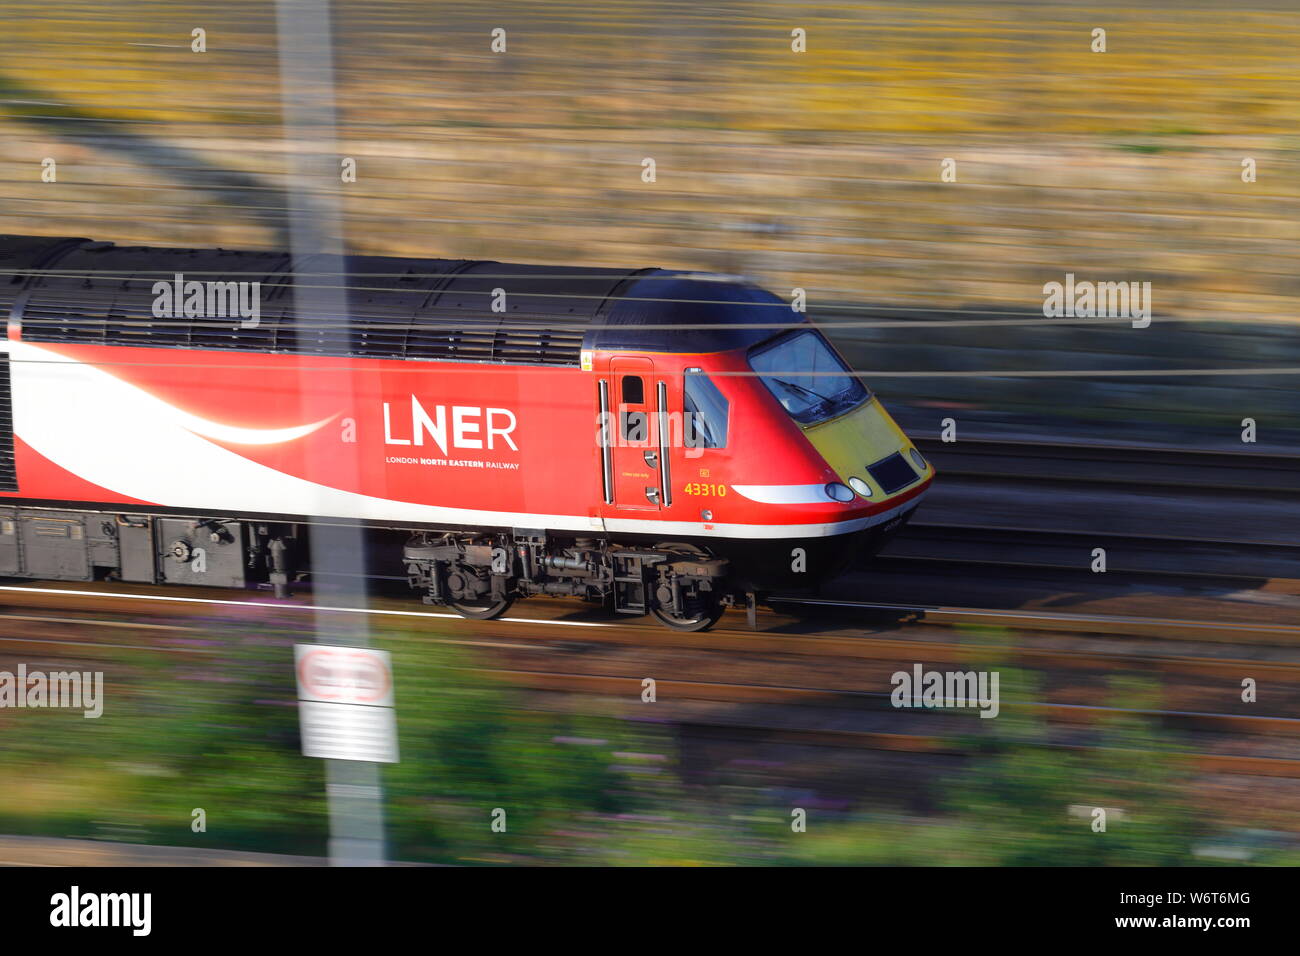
<point>822,419</point>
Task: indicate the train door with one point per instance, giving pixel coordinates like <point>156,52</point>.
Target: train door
<point>633,465</point>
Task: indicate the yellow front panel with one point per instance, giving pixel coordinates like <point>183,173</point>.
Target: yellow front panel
<point>861,437</point>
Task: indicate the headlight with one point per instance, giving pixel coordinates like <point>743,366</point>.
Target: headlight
<point>838,492</point>
<point>916,457</point>
<point>861,487</point>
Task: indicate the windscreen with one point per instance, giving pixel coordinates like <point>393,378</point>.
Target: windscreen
<point>807,377</point>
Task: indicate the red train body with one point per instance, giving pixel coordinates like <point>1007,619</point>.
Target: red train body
<point>665,442</point>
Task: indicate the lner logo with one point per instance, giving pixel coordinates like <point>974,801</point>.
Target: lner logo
<point>472,426</point>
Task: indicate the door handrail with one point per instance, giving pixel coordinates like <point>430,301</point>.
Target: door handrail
<point>666,495</point>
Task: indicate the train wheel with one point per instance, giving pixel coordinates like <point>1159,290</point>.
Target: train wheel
<point>481,612</point>
<point>703,613</point>
<point>702,621</point>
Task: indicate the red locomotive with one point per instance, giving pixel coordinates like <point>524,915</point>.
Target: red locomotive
<point>666,442</point>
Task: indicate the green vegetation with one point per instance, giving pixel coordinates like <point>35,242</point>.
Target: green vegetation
<point>1011,805</point>
<point>222,735</point>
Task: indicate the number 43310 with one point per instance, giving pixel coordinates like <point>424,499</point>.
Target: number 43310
<point>705,490</point>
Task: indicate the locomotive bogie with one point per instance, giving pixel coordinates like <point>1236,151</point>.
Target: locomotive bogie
<point>678,584</point>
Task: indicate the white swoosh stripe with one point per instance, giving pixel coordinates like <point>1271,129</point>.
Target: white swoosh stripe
<point>161,410</point>
<point>785,494</point>
<point>116,435</point>
<point>245,436</point>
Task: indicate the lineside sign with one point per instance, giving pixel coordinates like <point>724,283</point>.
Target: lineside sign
<point>345,703</point>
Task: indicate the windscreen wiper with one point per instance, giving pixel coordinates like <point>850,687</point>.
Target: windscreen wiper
<point>800,388</point>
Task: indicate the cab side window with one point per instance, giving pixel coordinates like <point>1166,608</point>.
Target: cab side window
<point>706,410</point>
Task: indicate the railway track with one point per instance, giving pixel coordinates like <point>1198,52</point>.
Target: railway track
<point>1116,464</point>
<point>514,635</point>
<point>931,744</point>
<point>734,692</point>
<point>1157,511</point>
<point>921,744</point>
<point>1067,550</point>
<point>1286,635</point>
<point>727,638</point>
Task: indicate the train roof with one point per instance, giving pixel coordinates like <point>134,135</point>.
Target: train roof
<point>79,290</point>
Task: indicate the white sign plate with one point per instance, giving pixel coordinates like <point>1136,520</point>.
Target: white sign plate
<point>345,703</point>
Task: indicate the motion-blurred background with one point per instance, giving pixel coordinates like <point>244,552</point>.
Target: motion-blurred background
<point>819,170</point>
